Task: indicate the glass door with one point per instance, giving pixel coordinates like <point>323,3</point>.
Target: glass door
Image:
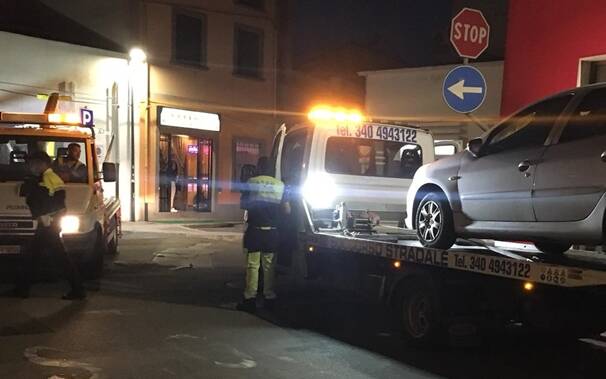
<point>203,201</point>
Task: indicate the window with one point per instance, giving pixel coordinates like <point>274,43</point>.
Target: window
<point>354,156</point>
<point>245,152</point>
<point>589,118</point>
<point>189,39</point>
<point>444,150</point>
<point>248,52</point>
<point>293,152</point>
<point>530,127</point>
<point>257,4</point>
<point>14,152</point>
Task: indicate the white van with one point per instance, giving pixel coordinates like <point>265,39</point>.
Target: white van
<point>368,166</point>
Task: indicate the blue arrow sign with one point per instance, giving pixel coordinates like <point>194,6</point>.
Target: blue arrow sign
<point>464,89</point>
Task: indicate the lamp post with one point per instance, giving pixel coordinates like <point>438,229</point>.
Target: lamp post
<point>137,58</point>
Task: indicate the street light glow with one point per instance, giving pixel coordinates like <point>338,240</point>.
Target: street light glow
<point>137,55</point>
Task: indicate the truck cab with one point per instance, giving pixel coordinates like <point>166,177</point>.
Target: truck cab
<point>91,225</point>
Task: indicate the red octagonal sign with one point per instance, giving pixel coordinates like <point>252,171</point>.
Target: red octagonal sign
<point>469,33</point>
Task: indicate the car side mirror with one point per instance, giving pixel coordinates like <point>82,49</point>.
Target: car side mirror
<point>475,147</point>
<point>247,171</point>
<point>109,172</point>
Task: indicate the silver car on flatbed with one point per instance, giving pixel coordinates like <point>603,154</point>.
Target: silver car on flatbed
<point>539,175</point>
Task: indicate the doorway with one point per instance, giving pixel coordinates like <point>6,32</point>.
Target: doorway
<point>186,177</point>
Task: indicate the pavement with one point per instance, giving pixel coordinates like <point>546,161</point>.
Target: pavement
<point>166,308</point>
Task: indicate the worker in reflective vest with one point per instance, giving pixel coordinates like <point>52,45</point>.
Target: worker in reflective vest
<point>44,192</point>
<point>263,198</point>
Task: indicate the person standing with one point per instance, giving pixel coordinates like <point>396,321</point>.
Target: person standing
<point>45,196</point>
<point>263,201</point>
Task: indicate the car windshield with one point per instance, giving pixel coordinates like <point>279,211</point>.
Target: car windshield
<point>68,157</point>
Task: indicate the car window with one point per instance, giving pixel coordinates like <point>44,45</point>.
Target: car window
<point>588,119</point>
<point>292,156</point>
<point>362,157</point>
<point>530,127</point>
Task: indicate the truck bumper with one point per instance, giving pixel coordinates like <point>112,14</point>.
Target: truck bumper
<point>75,244</point>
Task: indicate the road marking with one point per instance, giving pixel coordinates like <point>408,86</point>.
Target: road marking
<point>182,337</point>
<point>596,343</point>
<point>243,364</point>
<point>33,355</point>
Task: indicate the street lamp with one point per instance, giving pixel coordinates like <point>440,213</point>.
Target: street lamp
<point>137,58</point>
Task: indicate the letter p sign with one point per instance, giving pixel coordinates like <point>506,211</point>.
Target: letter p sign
<point>86,115</point>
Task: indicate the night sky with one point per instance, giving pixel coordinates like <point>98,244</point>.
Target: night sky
<point>412,31</point>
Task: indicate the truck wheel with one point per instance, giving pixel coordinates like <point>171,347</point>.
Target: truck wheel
<point>553,247</point>
<point>112,247</point>
<point>435,226</point>
<point>420,313</point>
<point>93,268</point>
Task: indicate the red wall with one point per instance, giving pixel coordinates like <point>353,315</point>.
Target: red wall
<point>545,39</point>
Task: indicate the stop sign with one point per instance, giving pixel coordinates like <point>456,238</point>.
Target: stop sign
<point>469,33</point>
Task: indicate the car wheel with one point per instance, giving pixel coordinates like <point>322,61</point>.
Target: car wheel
<point>435,226</point>
<point>553,247</point>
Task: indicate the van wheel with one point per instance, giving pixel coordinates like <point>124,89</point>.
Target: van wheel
<point>93,268</point>
<point>553,247</point>
<point>420,313</point>
<point>435,226</point>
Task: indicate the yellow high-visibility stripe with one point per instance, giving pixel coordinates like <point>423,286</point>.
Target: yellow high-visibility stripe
<point>52,181</point>
<point>265,188</point>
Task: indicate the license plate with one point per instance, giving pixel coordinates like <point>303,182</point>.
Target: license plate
<point>10,250</point>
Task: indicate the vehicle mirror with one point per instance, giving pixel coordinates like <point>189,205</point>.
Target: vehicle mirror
<point>247,172</point>
<point>109,172</point>
<point>475,146</point>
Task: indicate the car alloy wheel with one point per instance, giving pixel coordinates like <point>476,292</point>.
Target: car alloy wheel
<point>430,221</point>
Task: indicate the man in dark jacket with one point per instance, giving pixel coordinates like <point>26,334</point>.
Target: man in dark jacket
<point>45,196</point>
<point>263,200</point>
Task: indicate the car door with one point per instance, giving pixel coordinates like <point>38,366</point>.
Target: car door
<point>496,185</point>
<point>570,179</point>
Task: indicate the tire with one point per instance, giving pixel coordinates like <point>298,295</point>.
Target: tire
<point>420,315</point>
<point>435,226</point>
<point>556,248</point>
<point>112,247</point>
<point>93,268</point>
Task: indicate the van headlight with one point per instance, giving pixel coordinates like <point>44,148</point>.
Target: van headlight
<point>70,224</point>
<point>320,191</point>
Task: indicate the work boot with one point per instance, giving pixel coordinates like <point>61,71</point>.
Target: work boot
<point>247,305</point>
<point>75,295</point>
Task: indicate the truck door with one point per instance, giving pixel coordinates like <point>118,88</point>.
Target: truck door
<point>276,151</point>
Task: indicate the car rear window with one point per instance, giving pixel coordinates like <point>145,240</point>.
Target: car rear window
<point>363,157</point>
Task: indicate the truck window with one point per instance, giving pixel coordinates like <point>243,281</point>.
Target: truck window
<point>363,157</point>
<point>293,153</point>
<point>15,149</point>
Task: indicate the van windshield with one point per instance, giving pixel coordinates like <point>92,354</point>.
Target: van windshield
<point>68,156</point>
<point>363,157</point>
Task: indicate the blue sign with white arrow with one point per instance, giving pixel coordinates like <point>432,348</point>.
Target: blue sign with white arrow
<point>464,89</point>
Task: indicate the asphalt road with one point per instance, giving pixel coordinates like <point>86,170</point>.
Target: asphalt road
<point>165,308</point>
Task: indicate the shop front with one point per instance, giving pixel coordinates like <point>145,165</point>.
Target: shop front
<point>186,162</point>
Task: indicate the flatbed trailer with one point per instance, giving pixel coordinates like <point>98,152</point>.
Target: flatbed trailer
<point>474,287</point>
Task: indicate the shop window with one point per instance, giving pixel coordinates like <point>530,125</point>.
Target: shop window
<point>248,52</point>
<point>189,39</point>
<point>354,156</point>
<point>245,152</point>
<point>256,4</point>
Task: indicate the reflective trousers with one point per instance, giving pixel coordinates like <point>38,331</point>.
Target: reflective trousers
<point>254,261</point>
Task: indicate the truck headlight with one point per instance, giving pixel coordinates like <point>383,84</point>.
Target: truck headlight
<point>320,191</point>
<point>70,224</point>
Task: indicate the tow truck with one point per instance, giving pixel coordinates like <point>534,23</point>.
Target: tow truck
<point>435,295</point>
<point>91,226</point>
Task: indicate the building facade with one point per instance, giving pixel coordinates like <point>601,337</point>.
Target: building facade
<point>552,46</point>
<point>210,102</point>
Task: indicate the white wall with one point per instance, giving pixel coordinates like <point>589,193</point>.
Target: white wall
<point>31,66</point>
<point>415,95</point>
